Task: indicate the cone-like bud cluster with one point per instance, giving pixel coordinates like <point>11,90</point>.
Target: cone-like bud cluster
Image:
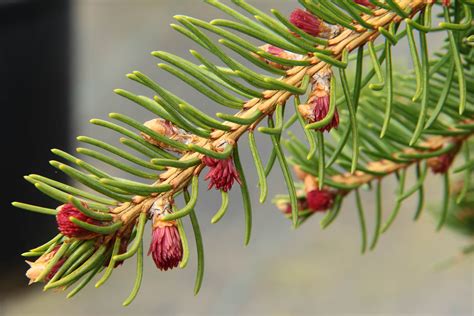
<point>306,22</point>
<point>165,248</point>
<point>317,107</point>
<point>312,25</point>
<point>68,228</point>
<point>320,200</point>
<point>222,173</point>
<point>311,199</point>
<point>314,201</point>
<point>365,3</point>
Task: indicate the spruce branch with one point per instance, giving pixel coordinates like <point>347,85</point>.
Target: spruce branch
<point>257,109</point>
<point>307,51</point>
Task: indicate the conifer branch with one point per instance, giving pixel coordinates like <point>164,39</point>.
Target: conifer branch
<point>107,229</point>
<point>348,40</point>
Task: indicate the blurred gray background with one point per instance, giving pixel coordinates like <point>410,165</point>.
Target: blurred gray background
<point>282,271</point>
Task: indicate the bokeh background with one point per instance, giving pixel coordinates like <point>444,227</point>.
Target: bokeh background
<point>60,61</point>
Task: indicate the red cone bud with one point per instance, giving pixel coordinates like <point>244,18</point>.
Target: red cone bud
<point>363,2</point>
<point>321,109</point>
<point>68,228</point>
<point>306,22</point>
<point>222,173</point>
<point>165,247</point>
<point>320,200</point>
<point>317,106</point>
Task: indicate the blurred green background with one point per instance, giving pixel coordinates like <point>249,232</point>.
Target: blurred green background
<point>282,271</point>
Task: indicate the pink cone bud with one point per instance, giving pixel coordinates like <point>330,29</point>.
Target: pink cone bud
<point>321,109</point>
<point>317,106</point>
<point>365,3</point>
<point>446,3</point>
<point>306,22</point>
<point>320,200</point>
<point>222,173</point>
<point>165,247</point>
<point>68,228</point>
